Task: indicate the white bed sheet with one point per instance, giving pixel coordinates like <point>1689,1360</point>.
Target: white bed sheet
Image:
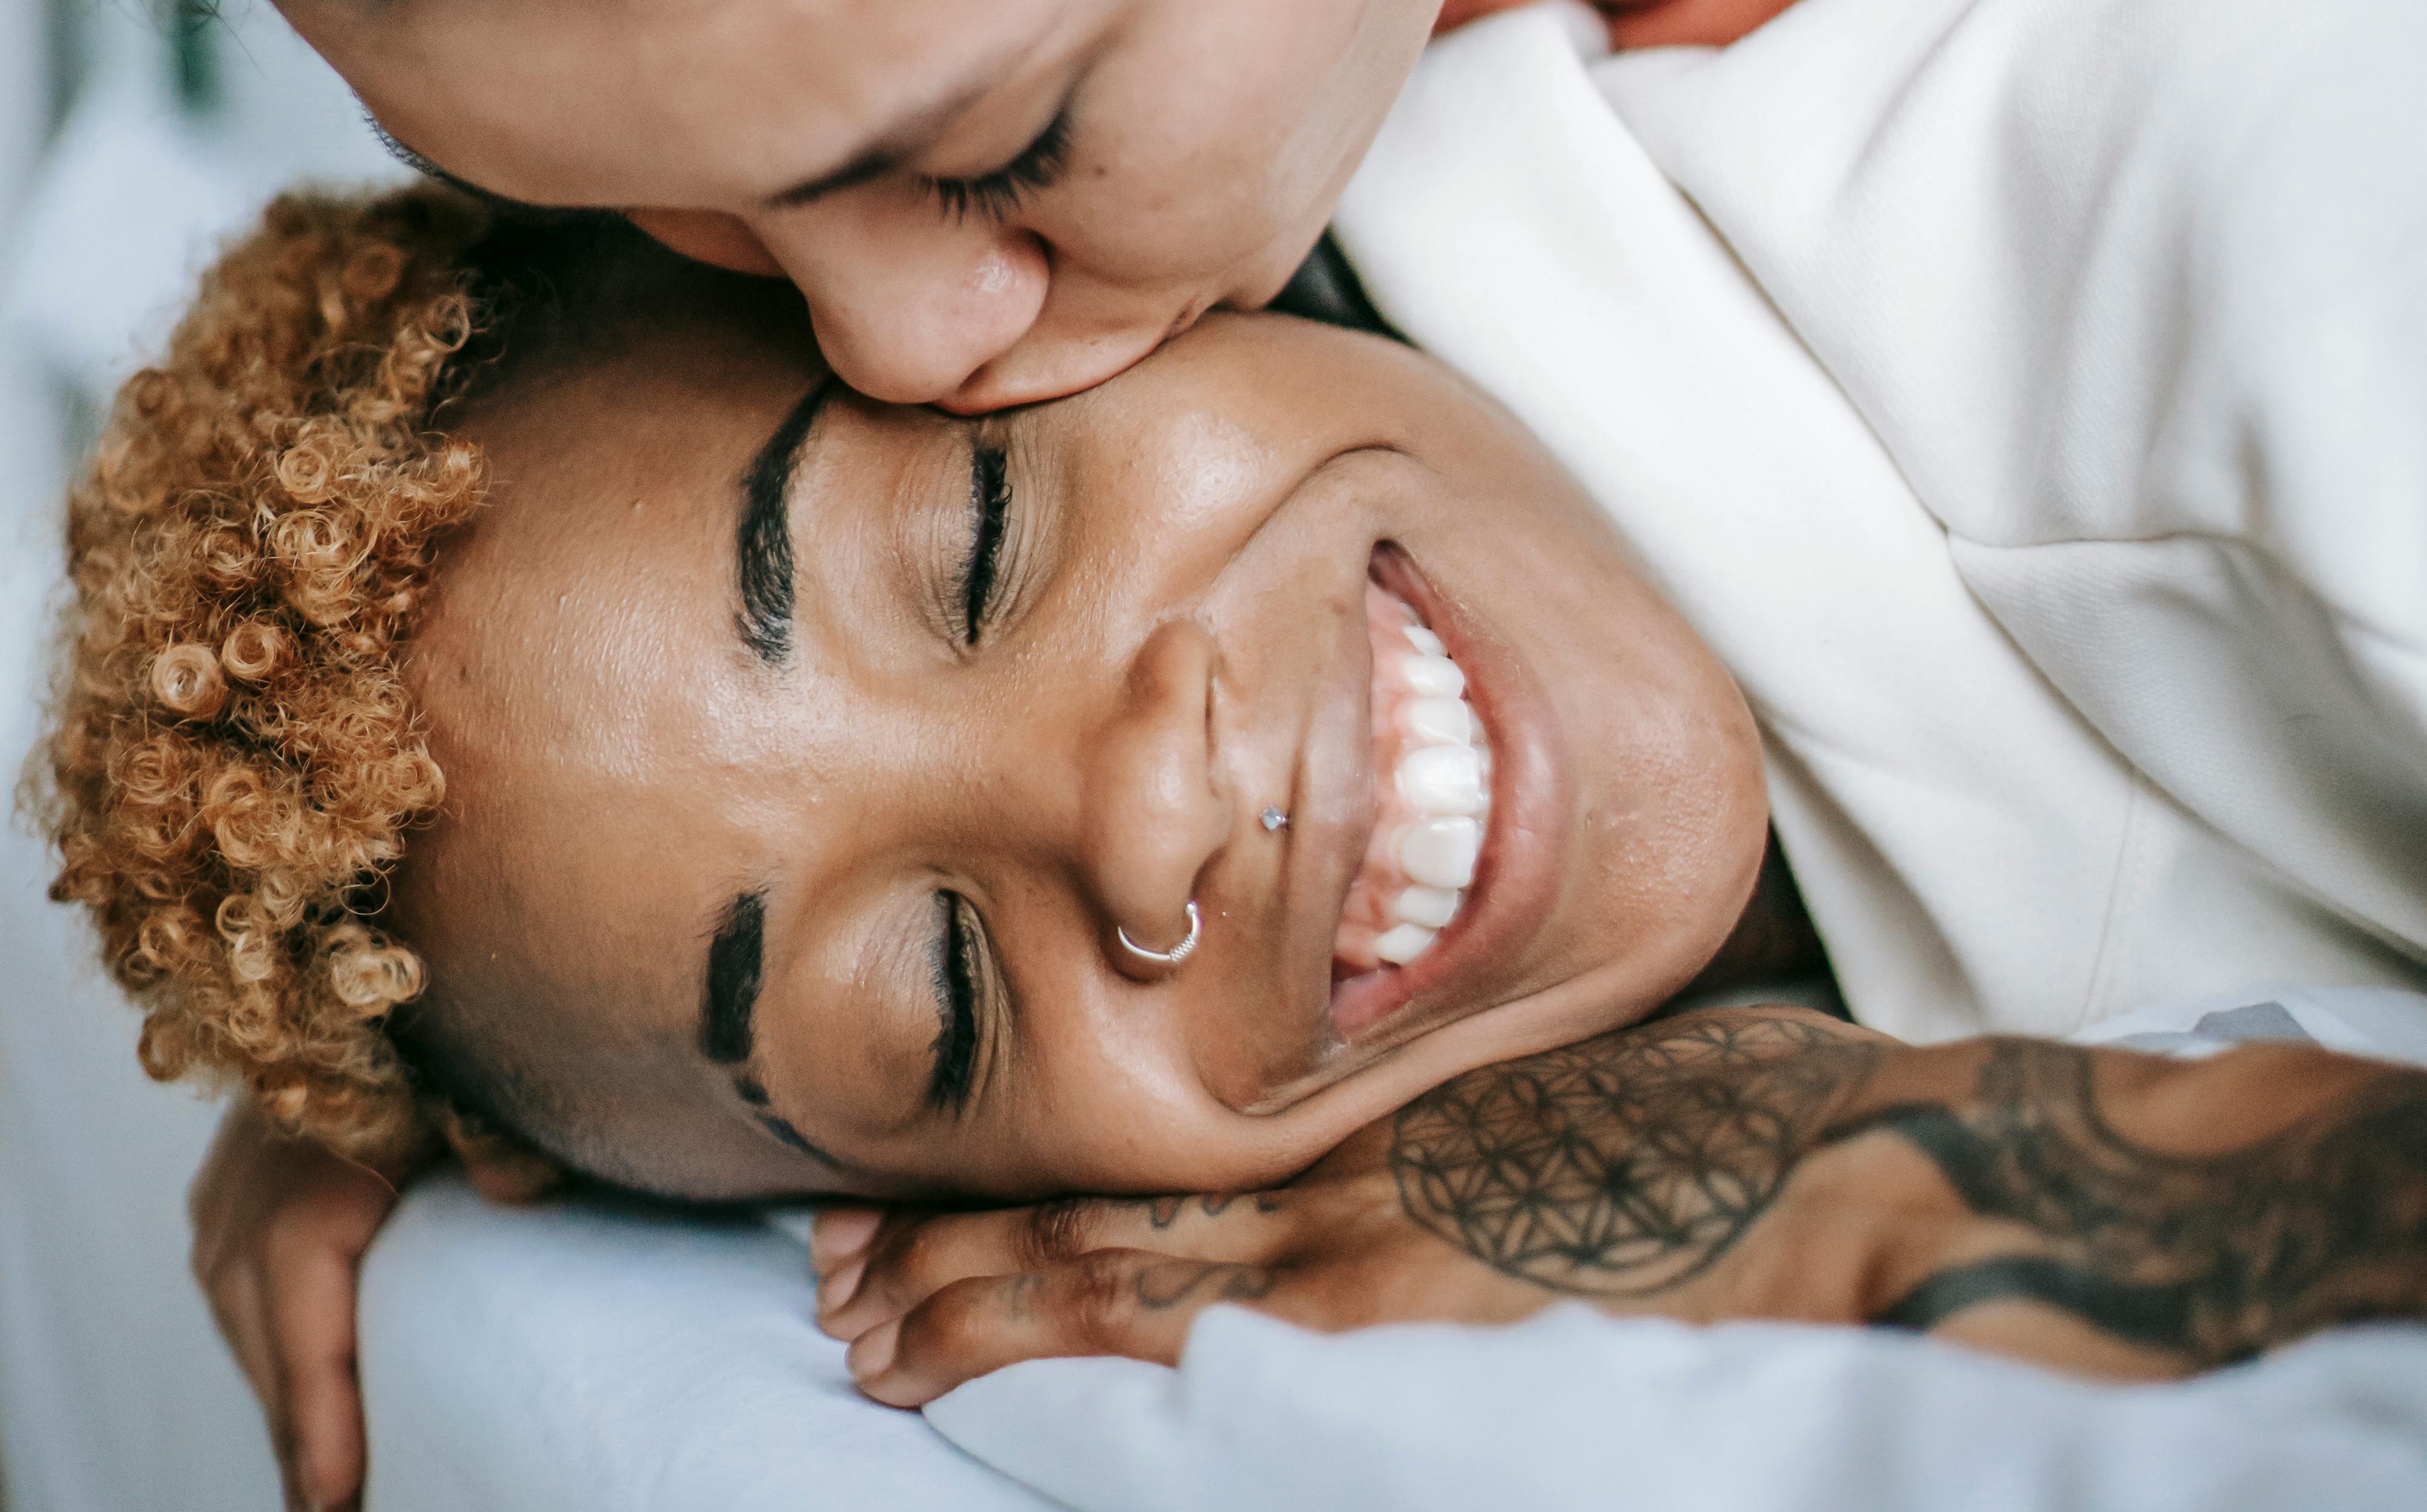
<point>587,1356</point>
<point>601,1357</point>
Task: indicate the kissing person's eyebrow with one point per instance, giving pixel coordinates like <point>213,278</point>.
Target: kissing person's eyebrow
<point>427,169</point>
<point>762,547</point>
<point>887,152</point>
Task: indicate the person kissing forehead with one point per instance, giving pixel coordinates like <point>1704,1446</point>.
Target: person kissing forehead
<point>987,202</point>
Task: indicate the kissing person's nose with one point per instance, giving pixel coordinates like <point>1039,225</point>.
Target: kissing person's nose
<point>1151,816</point>
<point>909,306</point>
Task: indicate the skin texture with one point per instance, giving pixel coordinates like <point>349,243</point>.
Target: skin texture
<point>2110,1214</point>
<point>1207,145</point>
<point>1178,641</point>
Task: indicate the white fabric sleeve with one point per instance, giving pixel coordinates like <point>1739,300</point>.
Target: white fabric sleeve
<point>2135,293</point>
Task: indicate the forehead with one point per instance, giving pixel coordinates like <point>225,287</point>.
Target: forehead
<point>586,692</point>
<point>671,100</point>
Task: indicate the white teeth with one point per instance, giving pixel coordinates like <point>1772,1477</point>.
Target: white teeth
<point>1423,848</point>
<point>1433,678</point>
<point>1441,780</point>
<point>1403,943</point>
<point>1440,853</point>
<point>1432,907</point>
<point>1437,721</point>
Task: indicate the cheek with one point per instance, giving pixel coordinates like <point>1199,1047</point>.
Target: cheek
<point>1214,175</point>
<point>1676,813</point>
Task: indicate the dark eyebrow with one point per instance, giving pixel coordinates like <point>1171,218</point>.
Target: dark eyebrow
<point>762,547</point>
<point>736,964</point>
<point>891,150</point>
<point>875,163</point>
<point>737,957</point>
<point>424,167</point>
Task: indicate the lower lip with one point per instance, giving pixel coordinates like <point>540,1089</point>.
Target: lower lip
<point>1517,870</point>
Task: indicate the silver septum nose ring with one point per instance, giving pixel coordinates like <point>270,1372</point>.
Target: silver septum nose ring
<point>1181,952</point>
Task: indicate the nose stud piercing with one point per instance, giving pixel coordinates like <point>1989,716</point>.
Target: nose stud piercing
<point>1181,952</point>
<point>1274,818</point>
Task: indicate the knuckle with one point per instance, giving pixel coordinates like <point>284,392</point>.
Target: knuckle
<point>1099,1293</point>
<point>951,1324</point>
<point>1050,1232</point>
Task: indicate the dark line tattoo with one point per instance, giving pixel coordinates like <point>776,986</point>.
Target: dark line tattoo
<point>1165,1210</point>
<point>1175,1283</point>
<point>2211,1256</point>
<point>1626,1167</point>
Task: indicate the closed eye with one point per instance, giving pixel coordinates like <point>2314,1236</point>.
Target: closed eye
<point>989,510</point>
<point>994,196</point>
<point>958,971</point>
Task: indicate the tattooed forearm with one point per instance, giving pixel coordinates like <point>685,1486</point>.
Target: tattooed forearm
<point>2213,1258</point>
<point>1630,1165</point>
<point>1624,1166</point>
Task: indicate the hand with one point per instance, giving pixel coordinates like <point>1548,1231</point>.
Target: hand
<point>1464,1205</point>
<point>2094,1209</point>
<point>280,1227</point>
<point>929,1300</point>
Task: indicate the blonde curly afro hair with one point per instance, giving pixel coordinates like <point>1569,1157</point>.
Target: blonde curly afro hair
<point>235,762</point>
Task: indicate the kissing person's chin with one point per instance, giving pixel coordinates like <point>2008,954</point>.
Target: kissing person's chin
<point>1470,826</point>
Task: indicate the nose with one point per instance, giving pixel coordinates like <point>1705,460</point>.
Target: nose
<point>1152,818</point>
<point>907,303</point>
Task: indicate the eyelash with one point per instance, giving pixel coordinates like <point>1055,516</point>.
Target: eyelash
<point>989,512</point>
<point>994,196</point>
<point>957,1004</point>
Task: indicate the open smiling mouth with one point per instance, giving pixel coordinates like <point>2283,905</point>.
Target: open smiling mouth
<point>1433,775</point>
<point>1432,766</point>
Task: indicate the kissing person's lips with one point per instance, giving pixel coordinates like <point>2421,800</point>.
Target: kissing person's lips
<point>1517,869</point>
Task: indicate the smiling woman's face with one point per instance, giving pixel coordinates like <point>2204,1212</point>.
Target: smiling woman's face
<point>754,880</point>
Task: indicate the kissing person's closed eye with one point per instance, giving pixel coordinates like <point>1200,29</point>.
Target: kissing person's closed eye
<point>995,196</point>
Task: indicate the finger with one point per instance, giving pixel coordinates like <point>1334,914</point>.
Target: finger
<point>910,1255</point>
<point>312,1322</point>
<point>1125,1302</point>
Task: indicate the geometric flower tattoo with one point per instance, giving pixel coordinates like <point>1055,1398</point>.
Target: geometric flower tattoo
<point>1622,1166</point>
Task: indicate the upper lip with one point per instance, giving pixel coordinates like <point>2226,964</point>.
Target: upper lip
<point>1331,803</point>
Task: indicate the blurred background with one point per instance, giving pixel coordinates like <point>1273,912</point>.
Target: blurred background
<point>132,140</point>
